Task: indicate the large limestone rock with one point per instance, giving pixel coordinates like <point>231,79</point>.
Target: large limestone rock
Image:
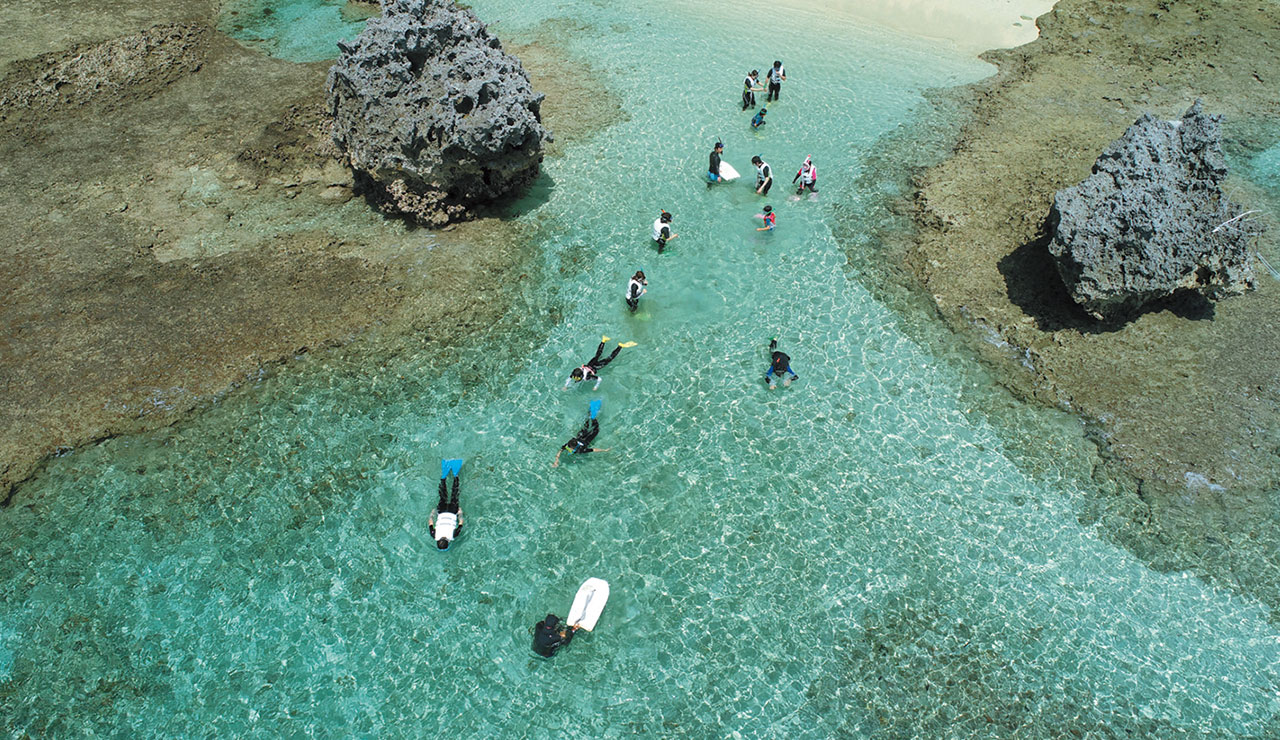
<point>430,113</point>
<point>1150,220</point>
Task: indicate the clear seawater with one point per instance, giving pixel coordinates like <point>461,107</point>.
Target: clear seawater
<point>860,554</point>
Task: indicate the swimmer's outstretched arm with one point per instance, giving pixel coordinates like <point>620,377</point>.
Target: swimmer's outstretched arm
<point>556,464</point>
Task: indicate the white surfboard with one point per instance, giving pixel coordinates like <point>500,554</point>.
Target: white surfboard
<point>587,605</point>
<point>727,172</point>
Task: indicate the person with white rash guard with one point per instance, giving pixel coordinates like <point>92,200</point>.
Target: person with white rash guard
<point>446,521</point>
<point>662,231</point>
<point>635,289</point>
<point>777,75</point>
<point>764,175</point>
<point>808,177</point>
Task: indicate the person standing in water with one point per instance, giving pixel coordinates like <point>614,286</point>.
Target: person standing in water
<point>779,363</point>
<point>581,442</point>
<point>758,119</point>
<point>777,76</point>
<point>662,231</point>
<point>445,523</point>
<point>636,288</point>
<point>590,370</point>
<point>808,177</point>
<point>751,86</point>
<point>713,164</point>
<point>764,175</point>
<point>550,635</point>
<point>770,218</point>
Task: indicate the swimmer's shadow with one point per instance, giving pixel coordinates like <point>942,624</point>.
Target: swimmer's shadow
<point>1033,285</point>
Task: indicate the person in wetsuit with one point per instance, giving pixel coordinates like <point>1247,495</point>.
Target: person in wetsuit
<point>808,177</point>
<point>581,442</point>
<point>713,164</point>
<point>758,119</point>
<point>446,521</point>
<point>636,288</point>
<point>662,231</point>
<point>751,86</point>
<point>550,635</point>
<point>779,363</point>
<point>591,368</point>
<point>777,75</point>
<point>764,175</point>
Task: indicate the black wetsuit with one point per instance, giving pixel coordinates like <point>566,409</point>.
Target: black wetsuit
<point>581,442</point>
<point>748,95</point>
<point>713,165</point>
<point>448,504</point>
<point>547,638</point>
<point>779,363</point>
<point>634,289</point>
<point>596,363</point>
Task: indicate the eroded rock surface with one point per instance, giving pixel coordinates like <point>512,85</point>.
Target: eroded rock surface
<point>1152,220</point>
<point>432,115</point>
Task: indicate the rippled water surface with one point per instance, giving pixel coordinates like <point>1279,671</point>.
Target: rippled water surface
<point>856,555</point>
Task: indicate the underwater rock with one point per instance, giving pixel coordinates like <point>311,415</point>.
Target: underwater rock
<point>1153,220</point>
<point>431,114</point>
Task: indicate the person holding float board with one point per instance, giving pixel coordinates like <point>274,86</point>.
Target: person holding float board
<point>552,633</point>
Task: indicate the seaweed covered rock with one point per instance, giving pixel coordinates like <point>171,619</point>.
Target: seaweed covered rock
<point>1152,220</point>
<point>431,114</point>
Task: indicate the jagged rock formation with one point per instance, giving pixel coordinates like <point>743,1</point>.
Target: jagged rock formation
<point>430,113</point>
<point>136,65</point>
<point>1149,221</point>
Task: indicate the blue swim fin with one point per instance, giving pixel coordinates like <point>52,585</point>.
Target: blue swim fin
<point>448,467</point>
<point>594,408</point>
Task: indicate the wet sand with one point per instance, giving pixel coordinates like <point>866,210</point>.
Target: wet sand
<point>1184,400</point>
<point>175,222</point>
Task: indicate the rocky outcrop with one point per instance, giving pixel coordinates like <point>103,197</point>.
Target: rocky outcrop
<point>136,66</point>
<point>1152,220</point>
<point>430,113</point>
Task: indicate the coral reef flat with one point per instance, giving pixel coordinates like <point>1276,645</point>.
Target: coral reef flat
<point>173,230</point>
<point>1186,397</point>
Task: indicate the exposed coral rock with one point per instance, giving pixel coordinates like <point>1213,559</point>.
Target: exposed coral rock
<point>136,65</point>
<point>1153,220</point>
<point>430,113</point>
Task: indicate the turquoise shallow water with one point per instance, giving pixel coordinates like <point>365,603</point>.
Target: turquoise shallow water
<point>855,555</point>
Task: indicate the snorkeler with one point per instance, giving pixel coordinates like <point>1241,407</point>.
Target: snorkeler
<point>764,175</point>
<point>758,119</point>
<point>779,363</point>
<point>808,177</point>
<point>550,635</point>
<point>777,75</point>
<point>770,218</point>
<point>635,289</point>
<point>591,368</point>
<point>713,164</point>
<point>751,86</point>
<point>662,231</point>
<point>581,442</point>
<point>445,523</point>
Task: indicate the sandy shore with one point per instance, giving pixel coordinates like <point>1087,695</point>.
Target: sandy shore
<point>1185,401</point>
<point>175,221</point>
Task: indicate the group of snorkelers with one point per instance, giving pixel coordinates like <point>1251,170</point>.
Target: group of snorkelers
<point>551,633</point>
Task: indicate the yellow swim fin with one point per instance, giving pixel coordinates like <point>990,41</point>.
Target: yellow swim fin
<point>626,344</point>
<point>603,339</point>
